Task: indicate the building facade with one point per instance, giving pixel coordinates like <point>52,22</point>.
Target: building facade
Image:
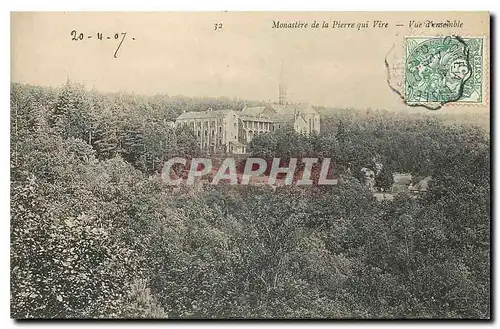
<point>231,131</point>
<point>216,131</point>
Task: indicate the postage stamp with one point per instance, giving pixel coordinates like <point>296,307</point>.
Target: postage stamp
<point>444,69</point>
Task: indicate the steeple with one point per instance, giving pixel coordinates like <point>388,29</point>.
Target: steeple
<point>281,88</point>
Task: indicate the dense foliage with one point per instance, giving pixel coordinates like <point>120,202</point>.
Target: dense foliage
<point>94,233</point>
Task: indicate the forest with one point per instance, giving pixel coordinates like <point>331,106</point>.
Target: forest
<point>96,234</point>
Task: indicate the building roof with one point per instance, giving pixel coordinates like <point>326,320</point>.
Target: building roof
<point>270,112</point>
<point>263,118</point>
<point>260,113</point>
<point>288,111</point>
<point>203,114</point>
<point>307,109</point>
<point>302,119</point>
<point>253,110</point>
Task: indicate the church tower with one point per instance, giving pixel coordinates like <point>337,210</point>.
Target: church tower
<point>281,88</point>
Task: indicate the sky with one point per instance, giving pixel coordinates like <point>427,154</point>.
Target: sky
<point>182,54</point>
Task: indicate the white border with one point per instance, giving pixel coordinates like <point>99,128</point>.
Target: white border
<point>199,5</point>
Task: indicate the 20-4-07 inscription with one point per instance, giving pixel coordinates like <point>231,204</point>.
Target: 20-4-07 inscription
<point>119,36</point>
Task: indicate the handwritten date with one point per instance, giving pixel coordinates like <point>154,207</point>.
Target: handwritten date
<point>119,37</point>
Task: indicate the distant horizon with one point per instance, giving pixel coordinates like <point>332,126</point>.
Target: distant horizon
<point>409,110</point>
<point>244,60</point>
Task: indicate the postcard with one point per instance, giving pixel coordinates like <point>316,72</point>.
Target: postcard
<point>250,165</point>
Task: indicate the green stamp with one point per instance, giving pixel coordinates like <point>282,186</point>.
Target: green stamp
<point>443,69</point>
